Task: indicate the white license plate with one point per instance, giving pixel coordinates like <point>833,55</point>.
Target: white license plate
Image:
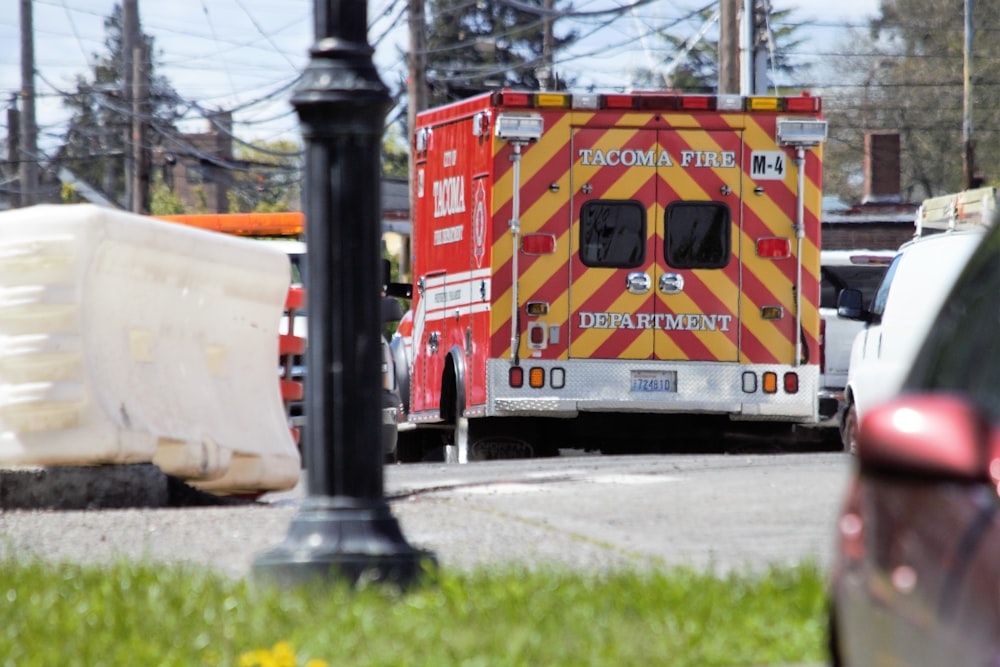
<point>654,381</point>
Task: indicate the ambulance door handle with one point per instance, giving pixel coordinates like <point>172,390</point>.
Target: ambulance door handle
<point>433,342</point>
<point>671,283</point>
<point>638,283</point>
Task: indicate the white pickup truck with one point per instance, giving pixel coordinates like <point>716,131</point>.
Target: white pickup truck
<point>843,269</point>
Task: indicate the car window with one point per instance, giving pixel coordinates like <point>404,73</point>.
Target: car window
<point>296,262</point>
<point>865,277</point>
<point>882,293</point>
<point>961,352</point>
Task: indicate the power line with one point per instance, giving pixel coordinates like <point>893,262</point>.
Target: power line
<point>263,32</point>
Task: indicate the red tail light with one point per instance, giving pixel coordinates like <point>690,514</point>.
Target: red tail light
<point>536,335</point>
<point>774,247</point>
<point>538,244</point>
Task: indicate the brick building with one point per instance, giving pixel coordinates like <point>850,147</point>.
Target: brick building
<point>882,220</point>
<point>201,175</point>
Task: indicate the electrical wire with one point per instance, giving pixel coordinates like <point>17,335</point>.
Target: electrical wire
<point>397,10</point>
<point>263,32</point>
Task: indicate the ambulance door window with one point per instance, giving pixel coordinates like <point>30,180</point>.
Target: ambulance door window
<point>697,235</point>
<point>613,234</point>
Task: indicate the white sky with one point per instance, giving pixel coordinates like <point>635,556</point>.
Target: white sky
<point>234,53</point>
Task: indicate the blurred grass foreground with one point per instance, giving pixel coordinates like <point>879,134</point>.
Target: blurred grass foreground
<point>146,614</point>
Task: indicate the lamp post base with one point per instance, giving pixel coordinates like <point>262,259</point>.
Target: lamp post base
<point>343,538</point>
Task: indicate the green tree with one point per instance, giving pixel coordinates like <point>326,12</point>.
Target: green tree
<point>267,177</point>
<point>96,141</point>
<point>163,201</point>
<point>395,155</point>
<point>905,74</point>
<point>694,64</point>
<point>478,46</point>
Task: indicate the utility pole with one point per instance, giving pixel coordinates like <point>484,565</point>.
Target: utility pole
<point>130,40</point>
<point>547,78</point>
<point>729,47</point>
<point>417,96</point>
<point>968,150</point>
<point>29,130</point>
<point>140,108</point>
<point>760,41</point>
<point>14,146</point>
<point>417,63</point>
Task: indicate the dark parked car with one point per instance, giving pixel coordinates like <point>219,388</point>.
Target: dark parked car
<point>916,573</point>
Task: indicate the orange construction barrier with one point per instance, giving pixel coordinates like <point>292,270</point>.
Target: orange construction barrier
<point>130,340</point>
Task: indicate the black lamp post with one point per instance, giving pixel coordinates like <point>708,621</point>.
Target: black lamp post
<point>344,528</point>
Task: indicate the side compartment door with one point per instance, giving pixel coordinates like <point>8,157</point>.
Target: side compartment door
<point>429,341</point>
<point>480,286</point>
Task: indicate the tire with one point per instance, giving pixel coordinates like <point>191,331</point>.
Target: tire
<point>409,446</point>
<point>402,369</point>
<point>496,438</point>
<point>849,429</point>
<point>456,449</point>
<point>480,439</point>
<point>833,638</point>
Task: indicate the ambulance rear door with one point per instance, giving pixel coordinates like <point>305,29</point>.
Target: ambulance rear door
<point>655,234</point>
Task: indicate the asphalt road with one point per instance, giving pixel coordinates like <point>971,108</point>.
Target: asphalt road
<point>591,512</point>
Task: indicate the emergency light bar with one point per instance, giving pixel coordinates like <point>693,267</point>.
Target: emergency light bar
<point>519,127</point>
<point>654,101</point>
<point>801,131</point>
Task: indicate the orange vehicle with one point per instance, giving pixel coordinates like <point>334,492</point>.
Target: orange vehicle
<point>592,265</point>
<point>290,224</point>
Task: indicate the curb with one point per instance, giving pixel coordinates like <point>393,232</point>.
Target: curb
<point>137,485</point>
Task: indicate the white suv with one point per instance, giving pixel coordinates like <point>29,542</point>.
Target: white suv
<point>912,291</point>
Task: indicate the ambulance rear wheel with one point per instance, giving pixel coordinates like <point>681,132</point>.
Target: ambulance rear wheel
<point>456,446</point>
<point>494,438</point>
<point>484,439</point>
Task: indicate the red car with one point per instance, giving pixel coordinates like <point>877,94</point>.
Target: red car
<point>916,573</point>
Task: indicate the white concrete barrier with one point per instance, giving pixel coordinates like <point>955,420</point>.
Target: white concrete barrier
<point>127,339</point>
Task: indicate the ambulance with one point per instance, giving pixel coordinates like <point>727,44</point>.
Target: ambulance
<point>610,268</point>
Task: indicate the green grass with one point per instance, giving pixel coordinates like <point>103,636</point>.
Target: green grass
<point>150,615</point>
